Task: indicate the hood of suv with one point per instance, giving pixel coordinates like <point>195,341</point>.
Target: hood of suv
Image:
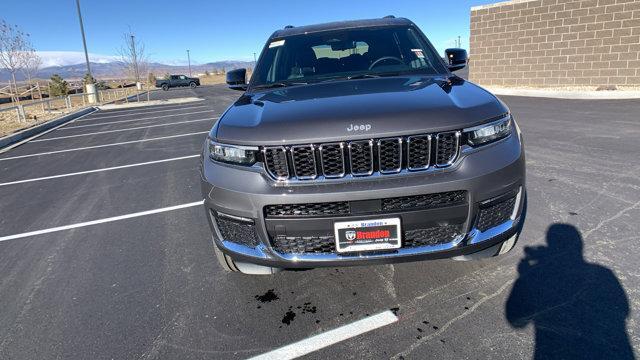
<point>356,109</point>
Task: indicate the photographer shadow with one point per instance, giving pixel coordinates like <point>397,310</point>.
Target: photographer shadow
<point>578,309</point>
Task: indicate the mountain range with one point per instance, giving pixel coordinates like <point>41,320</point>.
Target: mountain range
<point>115,70</point>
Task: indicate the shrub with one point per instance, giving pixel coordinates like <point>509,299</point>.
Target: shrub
<point>58,86</point>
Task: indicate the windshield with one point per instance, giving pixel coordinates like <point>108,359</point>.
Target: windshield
<point>347,54</point>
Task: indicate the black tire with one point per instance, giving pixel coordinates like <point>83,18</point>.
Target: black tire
<point>192,85</point>
<point>165,87</point>
<point>226,263</point>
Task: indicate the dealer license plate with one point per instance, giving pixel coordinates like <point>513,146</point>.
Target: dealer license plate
<point>367,235</point>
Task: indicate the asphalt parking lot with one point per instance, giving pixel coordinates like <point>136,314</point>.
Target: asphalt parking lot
<point>136,276</point>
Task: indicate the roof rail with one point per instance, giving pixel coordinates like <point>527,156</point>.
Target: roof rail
<point>289,27</point>
<point>389,17</point>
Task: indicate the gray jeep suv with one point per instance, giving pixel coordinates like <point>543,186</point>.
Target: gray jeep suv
<point>354,143</point>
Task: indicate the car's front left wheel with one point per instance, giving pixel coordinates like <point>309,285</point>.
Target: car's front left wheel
<point>226,263</point>
<point>229,265</point>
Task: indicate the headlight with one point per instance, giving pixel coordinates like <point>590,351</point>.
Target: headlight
<point>487,133</point>
<point>235,154</point>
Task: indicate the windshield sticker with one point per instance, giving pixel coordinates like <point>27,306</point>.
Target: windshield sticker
<point>276,43</point>
<point>418,53</point>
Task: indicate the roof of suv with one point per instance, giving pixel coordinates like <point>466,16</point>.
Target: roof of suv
<point>339,25</point>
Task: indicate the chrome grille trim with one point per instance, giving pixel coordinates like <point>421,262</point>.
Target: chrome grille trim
<point>409,140</point>
<point>350,146</point>
<point>453,158</point>
<point>266,162</point>
<point>296,161</point>
<point>342,159</point>
<point>399,156</point>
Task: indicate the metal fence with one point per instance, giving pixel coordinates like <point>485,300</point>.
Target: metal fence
<point>49,108</point>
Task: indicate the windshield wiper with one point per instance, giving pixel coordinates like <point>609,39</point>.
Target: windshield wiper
<point>352,77</point>
<point>362,76</point>
<point>278,84</point>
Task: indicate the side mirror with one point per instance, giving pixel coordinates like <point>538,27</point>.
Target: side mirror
<point>237,79</point>
<point>456,58</point>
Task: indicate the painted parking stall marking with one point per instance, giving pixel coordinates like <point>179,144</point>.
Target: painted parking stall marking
<point>96,117</point>
<point>101,221</point>
<point>134,120</point>
<point>98,170</point>
<point>102,146</point>
<point>330,337</point>
<point>121,130</point>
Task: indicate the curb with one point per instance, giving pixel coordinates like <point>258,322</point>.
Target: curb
<point>132,105</point>
<point>560,94</point>
<point>9,140</point>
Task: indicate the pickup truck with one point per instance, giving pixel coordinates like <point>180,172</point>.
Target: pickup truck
<point>177,81</point>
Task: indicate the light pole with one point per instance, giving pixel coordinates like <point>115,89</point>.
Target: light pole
<point>90,87</point>
<point>189,61</point>
<point>84,41</point>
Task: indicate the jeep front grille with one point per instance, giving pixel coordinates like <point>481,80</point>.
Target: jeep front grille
<point>362,157</point>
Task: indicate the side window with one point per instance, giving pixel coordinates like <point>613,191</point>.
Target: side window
<point>182,77</point>
<point>174,77</point>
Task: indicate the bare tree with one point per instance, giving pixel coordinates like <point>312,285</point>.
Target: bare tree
<point>13,44</point>
<point>31,65</point>
<point>133,56</point>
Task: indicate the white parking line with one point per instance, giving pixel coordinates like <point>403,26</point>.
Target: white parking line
<point>97,170</point>
<point>101,221</point>
<point>96,117</point>
<point>120,130</point>
<point>329,338</point>
<point>132,120</point>
<point>104,145</point>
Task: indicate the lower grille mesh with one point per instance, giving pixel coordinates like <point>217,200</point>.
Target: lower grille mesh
<point>432,236</point>
<point>428,201</point>
<point>415,202</point>
<point>237,232</point>
<point>326,244</point>
<point>313,209</point>
<point>495,214</point>
<point>304,244</point>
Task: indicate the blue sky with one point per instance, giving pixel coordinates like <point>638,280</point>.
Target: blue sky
<point>215,30</point>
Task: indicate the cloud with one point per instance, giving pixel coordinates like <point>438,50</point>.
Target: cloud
<point>63,58</point>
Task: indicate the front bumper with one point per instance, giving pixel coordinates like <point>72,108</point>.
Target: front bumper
<point>486,175</point>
